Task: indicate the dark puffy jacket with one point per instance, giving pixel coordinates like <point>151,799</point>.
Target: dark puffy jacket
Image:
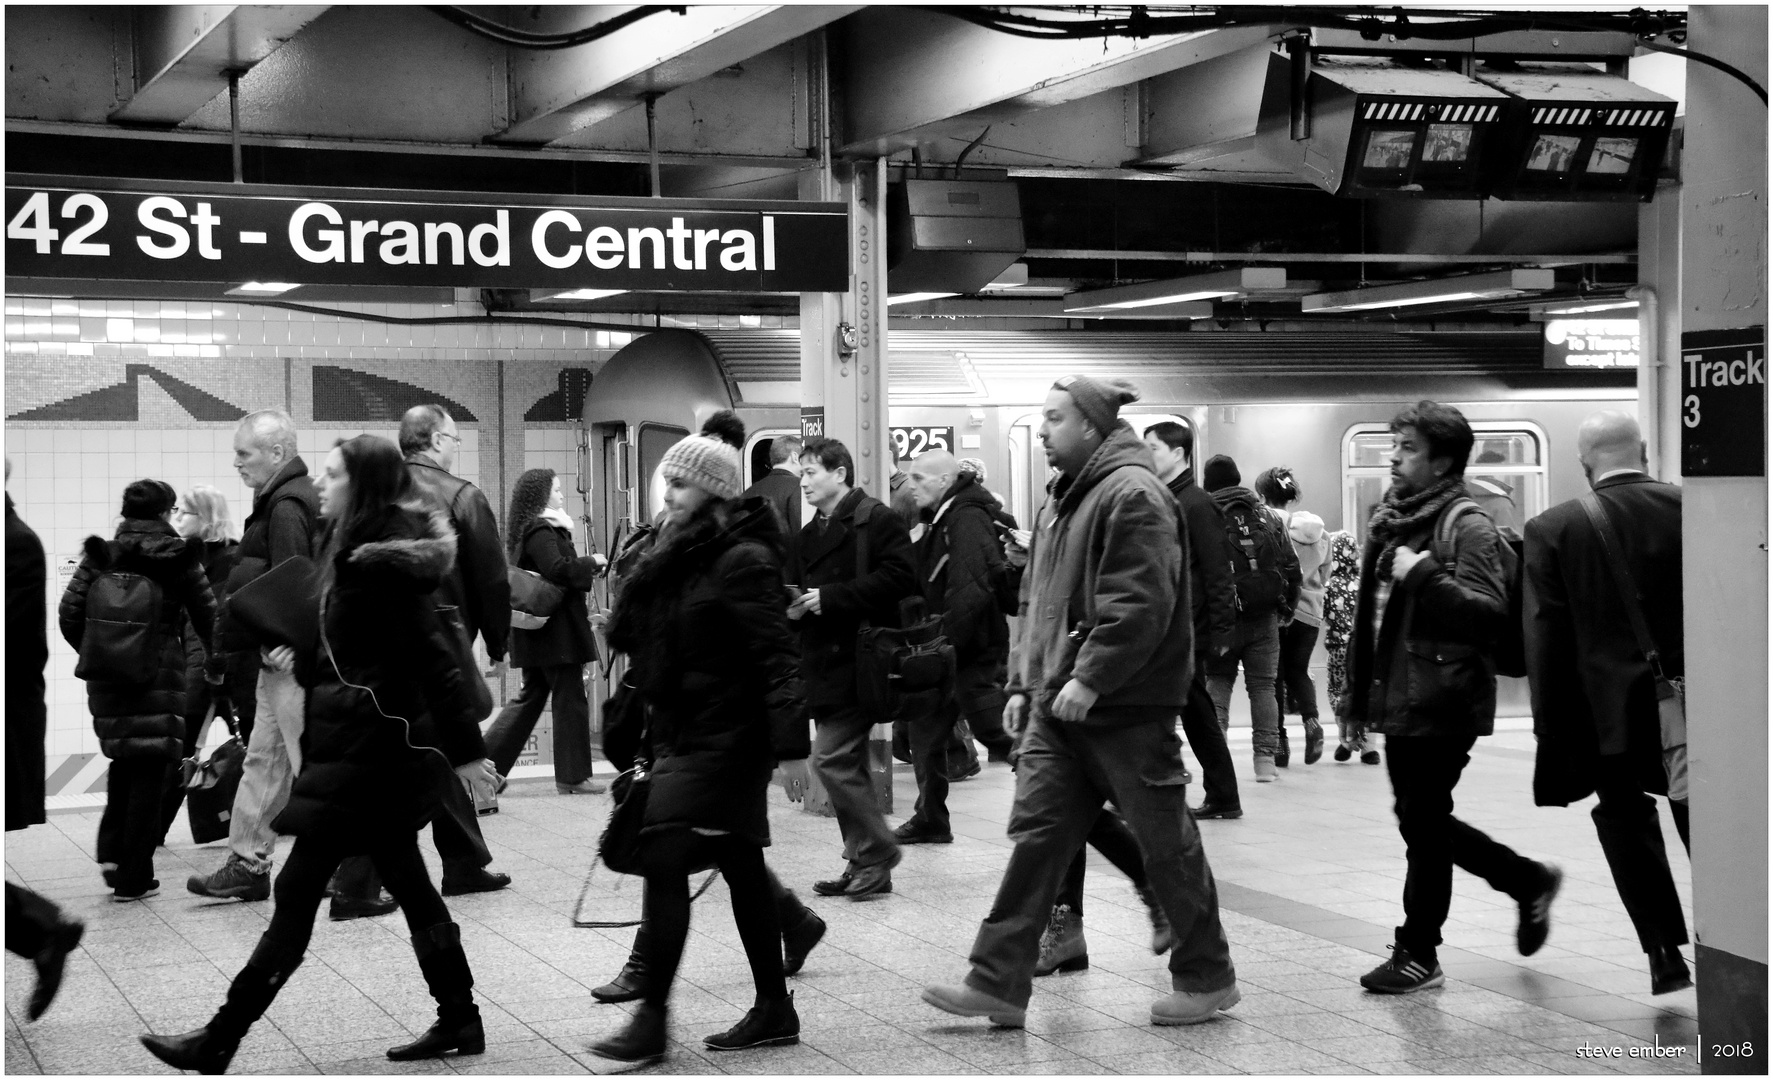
<point>362,766</point>
<point>146,721</point>
<point>27,651</point>
<point>1211,592</point>
<point>477,588</point>
<point>566,637</point>
<point>1430,672</point>
<point>964,579</point>
<point>828,563</point>
<point>1286,558</point>
<point>705,618</point>
<point>1105,595</point>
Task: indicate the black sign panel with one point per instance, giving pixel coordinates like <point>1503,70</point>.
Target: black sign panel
<point>913,441</point>
<point>1724,402</point>
<point>154,231</point>
<point>812,421</point>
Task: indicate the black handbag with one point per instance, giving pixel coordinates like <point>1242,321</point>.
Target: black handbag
<point>210,787</point>
<point>619,846</point>
<point>906,672</point>
<point>281,606</point>
<point>534,599</point>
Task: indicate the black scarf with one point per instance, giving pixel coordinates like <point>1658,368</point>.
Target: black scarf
<point>1400,517</point>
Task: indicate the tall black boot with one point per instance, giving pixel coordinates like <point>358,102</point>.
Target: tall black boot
<point>209,1049</point>
<point>630,982</point>
<point>445,965</point>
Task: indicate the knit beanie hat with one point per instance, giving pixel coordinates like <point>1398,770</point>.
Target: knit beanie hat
<point>1220,472</point>
<point>708,463</point>
<point>1098,399</point>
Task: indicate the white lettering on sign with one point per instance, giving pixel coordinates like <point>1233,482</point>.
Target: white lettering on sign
<point>1750,370</point>
<point>178,241</point>
<point>538,239</point>
<point>333,239</point>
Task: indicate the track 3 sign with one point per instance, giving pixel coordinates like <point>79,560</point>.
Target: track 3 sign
<point>1724,402</point>
<point>157,231</point>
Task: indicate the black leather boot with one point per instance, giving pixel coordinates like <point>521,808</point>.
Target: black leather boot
<point>637,1045</point>
<point>445,965</point>
<point>630,982</point>
<point>209,1049</point>
<point>801,930</point>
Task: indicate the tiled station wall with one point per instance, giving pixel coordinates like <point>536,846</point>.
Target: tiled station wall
<point>101,393</point>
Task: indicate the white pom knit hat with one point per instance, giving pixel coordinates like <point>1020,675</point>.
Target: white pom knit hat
<point>709,464</point>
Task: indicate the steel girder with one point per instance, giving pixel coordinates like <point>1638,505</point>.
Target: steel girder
<point>183,55</point>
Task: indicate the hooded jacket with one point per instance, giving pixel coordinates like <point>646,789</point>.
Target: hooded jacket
<point>146,721</point>
<point>965,580</point>
<point>1312,546</point>
<point>1226,498</point>
<point>384,687</point>
<point>1213,596</point>
<point>705,619</point>
<point>827,555</point>
<point>1105,598</point>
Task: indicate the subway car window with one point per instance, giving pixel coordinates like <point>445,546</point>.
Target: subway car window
<point>1505,474</point>
<point>655,439</point>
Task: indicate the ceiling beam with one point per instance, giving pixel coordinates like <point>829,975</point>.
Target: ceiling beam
<point>1205,110</point>
<point>557,93</point>
<point>912,74</point>
<point>183,55</point>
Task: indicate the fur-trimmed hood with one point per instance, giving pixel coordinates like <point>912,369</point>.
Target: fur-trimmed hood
<point>145,544</point>
<point>412,543</point>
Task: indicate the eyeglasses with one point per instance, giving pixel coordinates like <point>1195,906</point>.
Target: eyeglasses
<point>447,435</point>
<point>179,511</point>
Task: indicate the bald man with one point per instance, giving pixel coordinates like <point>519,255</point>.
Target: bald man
<point>964,579</point>
<point>1594,701</point>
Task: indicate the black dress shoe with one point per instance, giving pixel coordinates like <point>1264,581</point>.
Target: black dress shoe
<point>1535,924</point>
<point>1668,971</point>
<point>60,941</point>
<point>345,908</point>
<point>773,1023</point>
<point>798,940</point>
<point>837,886</point>
<point>1210,809</point>
<point>916,832</point>
<point>479,879</point>
<point>628,985</point>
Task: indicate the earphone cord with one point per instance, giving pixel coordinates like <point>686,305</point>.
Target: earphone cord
<point>405,723</point>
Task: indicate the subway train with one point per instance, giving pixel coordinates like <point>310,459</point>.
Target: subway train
<point>1317,402</point>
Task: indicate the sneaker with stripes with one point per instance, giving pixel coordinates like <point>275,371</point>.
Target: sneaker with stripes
<point>1402,974</point>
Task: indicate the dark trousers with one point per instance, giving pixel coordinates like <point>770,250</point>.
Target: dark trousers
<point>301,885</point>
<point>1294,686</point>
<point>1115,841</point>
<point>669,857</point>
<point>1631,837</point>
<point>455,828</point>
<point>129,829</point>
<point>1424,770</point>
<point>29,919</point>
<point>841,760</point>
<point>565,684</point>
<point>930,734</point>
<point>1200,725</point>
<point>1064,775</point>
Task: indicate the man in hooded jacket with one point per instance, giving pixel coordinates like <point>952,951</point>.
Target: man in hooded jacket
<point>1101,665</point>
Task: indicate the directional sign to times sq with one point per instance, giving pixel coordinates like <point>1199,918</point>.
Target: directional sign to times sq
<point>156,231</point>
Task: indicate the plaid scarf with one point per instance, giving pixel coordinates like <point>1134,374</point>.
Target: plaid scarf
<point>1400,517</point>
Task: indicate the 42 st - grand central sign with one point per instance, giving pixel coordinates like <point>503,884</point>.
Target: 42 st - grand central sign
<point>58,228</point>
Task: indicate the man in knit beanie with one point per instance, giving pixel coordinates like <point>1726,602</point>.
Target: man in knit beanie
<point>706,462</point>
<point>1099,672</point>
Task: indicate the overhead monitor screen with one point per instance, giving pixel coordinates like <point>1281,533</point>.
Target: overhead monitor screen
<point>1389,149</point>
<point>1447,142</point>
<point>1553,153</point>
<point>1612,156</point>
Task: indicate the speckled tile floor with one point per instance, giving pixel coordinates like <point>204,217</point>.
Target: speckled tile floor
<point>1309,882</point>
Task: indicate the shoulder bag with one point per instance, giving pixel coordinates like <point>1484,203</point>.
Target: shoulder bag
<point>1671,694</point>
<point>210,785</point>
<point>900,672</point>
<point>534,599</point>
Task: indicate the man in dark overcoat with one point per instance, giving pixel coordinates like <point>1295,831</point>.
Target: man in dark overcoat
<point>1594,700</point>
<point>35,927</point>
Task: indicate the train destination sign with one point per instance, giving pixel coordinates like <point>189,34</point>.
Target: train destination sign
<point>1724,402</point>
<point>1591,344</point>
<point>157,231</point>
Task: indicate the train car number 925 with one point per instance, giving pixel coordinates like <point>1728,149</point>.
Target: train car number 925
<point>912,441</point>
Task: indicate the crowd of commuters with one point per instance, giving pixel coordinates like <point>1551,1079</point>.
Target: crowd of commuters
<point>337,637</point>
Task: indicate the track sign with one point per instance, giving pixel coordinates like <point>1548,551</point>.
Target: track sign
<point>1724,402</point>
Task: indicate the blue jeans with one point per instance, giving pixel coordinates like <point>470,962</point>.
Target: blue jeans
<point>1258,646</point>
<point>1064,775</point>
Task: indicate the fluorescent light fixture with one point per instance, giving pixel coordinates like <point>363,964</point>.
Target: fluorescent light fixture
<point>1496,286</point>
<point>917,297</point>
<point>1179,290</point>
<point>1191,309</point>
<point>1585,309</point>
<point>587,294</point>
<point>262,288</point>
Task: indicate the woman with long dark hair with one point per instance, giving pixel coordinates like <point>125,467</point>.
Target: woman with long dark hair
<point>704,621</point>
<point>384,689</point>
<point>552,657</point>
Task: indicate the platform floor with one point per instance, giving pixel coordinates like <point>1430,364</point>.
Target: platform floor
<point>1308,880</point>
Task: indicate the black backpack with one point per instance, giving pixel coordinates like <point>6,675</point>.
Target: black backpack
<point>121,641</point>
<point>1510,652</point>
<point>1257,543</point>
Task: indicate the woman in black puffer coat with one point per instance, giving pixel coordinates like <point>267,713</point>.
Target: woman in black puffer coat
<point>384,689</point>
<point>140,725</point>
<point>705,621</point>
<point>201,517</point>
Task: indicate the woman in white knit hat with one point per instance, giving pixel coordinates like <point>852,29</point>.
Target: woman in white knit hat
<point>704,622</point>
